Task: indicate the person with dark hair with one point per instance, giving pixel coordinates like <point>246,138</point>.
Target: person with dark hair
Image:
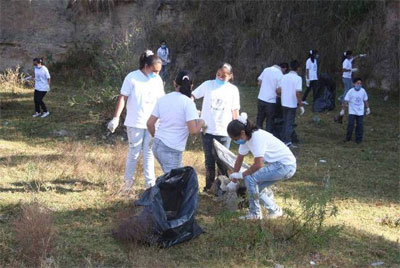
<point>311,75</point>
<point>178,118</point>
<point>356,99</point>
<point>268,80</point>
<point>140,91</point>
<point>289,89</point>
<point>273,161</point>
<point>347,68</point>
<point>163,53</point>
<point>42,86</point>
<point>221,104</point>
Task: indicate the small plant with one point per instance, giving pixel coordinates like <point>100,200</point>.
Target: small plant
<point>12,80</point>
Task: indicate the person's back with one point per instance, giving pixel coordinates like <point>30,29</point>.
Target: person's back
<point>269,78</point>
<point>290,84</point>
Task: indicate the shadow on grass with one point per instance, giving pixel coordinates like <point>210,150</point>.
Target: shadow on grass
<point>15,160</point>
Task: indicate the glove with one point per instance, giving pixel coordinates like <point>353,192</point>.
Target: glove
<point>231,186</point>
<point>113,124</point>
<point>236,175</point>
<point>354,70</point>
<point>341,112</point>
<point>302,110</point>
<point>308,82</point>
<point>368,111</point>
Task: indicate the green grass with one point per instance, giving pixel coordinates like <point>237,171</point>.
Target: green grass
<point>77,176</point>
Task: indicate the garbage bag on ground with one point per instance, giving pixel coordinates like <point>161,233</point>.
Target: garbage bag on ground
<point>324,99</point>
<point>168,214</point>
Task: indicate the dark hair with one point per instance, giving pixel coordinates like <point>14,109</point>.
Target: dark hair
<point>184,80</point>
<point>345,54</point>
<point>163,41</point>
<point>312,53</point>
<point>235,127</point>
<point>148,58</point>
<point>294,65</point>
<point>284,65</point>
<point>355,80</point>
<point>38,60</point>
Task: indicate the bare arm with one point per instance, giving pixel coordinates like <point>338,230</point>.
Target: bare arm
<point>235,114</point>
<point>299,101</point>
<point>278,91</point>
<point>151,125</point>
<point>366,104</point>
<point>258,163</point>
<point>308,74</point>
<point>195,126</point>
<point>344,104</point>
<point>238,163</point>
<point>120,105</point>
<point>48,81</point>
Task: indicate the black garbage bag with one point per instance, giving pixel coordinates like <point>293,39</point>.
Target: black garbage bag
<point>324,99</point>
<point>170,208</point>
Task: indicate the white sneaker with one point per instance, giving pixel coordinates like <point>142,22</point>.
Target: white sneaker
<point>305,103</point>
<point>46,114</point>
<point>36,115</point>
<point>251,216</point>
<point>127,186</point>
<point>275,215</point>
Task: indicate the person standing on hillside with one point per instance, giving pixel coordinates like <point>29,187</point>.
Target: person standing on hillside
<point>347,68</point>
<point>269,81</point>
<point>290,89</point>
<point>140,91</point>
<point>163,53</point>
<point>221,104</point>
<point>177,121</point>
<point>42,86</point>
<point>311,75</point>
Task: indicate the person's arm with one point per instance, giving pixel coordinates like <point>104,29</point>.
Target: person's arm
<point>307,74</point>
<point>48,81</point>
<point>238,163</point>
<point>259,82</point>
<point>278,91</point>
<point>258,163</point>
<point>345,104</point>
<point>151,125</point>
<point>195,126</point>
<point>120,105</point>
<point>366,104</point>
<point>298,96</point>
<point>235,114</point>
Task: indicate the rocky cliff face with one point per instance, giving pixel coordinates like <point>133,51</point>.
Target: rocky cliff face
<point>202,34</point>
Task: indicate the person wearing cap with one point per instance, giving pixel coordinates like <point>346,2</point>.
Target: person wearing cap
<point>140,91</point>
<point>176,122</point>
<point>221,104</point>
<point>42,86</point>
<point>311,75</point>
<point>163,53</point>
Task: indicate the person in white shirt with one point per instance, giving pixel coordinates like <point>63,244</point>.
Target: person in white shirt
<point>178,117</point>
<point>221,104</point>
<point>140,91</point>
<point>163,53</point>
<point>273,162</point>
<point>357,100</point>
<point>347,68</point>
<point>290,88</point>
<point>42,86</point>
<point>311,75</point>
<point>269,82</point>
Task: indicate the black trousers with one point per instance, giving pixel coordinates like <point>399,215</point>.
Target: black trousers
<point>289,115</point>
<point>358,119</point>
<point>266,110</point>
<point>313,86</point>
<point>38,99</point>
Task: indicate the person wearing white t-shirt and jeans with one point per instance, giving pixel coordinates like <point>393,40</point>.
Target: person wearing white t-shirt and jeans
<point>290,88</point>
<point>347,68</point>
<point>178,117</point>
<point>357,100</point>
<point>42,86</point>
<point>140,91</point>
<point>273,162</point>
<point>163,53</point>
<point>269,82</point>
<point>311,75</point>
<point>221,104</point>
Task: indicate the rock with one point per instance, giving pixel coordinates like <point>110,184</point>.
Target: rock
<point>378,263</point>
<point>316,119</point>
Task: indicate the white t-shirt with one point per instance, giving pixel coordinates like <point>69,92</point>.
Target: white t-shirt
<point>312,68</point>
<point>264,144</point>
<point>356,101</point>
<point>174,110</point>
<point>41,76</point>
<point>290,84</point>
<point>143,93</point>
<point>269,78</point>
<point>163,54</point>
<point>347,64</point>
<point>218,104</point>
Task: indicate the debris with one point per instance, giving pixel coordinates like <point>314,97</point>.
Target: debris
<point>322,161</point>
<point>316,119</point>
<point>61,133</point>
<point>279,266</point>
<point>378,263</point>
<point>312,263</point>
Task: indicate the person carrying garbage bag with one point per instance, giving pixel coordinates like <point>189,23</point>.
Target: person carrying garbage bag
<point>273,162</point>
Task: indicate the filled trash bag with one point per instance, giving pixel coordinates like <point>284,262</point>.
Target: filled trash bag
<point>324,99</point>
<point>168,214</point>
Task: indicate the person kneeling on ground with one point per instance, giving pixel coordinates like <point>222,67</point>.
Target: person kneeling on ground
<point>279,161</point>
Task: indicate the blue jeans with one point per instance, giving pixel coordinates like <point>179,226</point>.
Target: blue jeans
<point>359,127</point>
<point>262,178</point>
<point>289,116</point>
<point>167,157</point>
<point>164,72</point>
<point>347,84</point>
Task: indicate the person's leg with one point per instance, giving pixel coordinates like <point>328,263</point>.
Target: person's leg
<point>36,97</point>
<point>41,103</point>
<point>350,127</point>
<point>167,157</point>
<point>261,113</point>
<point>290,115</point>
<point>148,159</point>
<point>270,111</point>
<point>313,86</point>
<point>225,141</point>
<point>135,139</point>
<point>346,86</point>
<point>359,128</point>
<point>207,140</point>
<point>306,93</point>
<point>284,125</point>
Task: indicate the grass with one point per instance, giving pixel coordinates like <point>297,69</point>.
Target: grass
<point>77,176</point>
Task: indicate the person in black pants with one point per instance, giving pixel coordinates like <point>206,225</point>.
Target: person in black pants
<point>311,75</point>
<point>42,86</point>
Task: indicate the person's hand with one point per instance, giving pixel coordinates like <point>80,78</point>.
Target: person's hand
<point>302,110</point>
<point>354,70</point>
<point>363,55</point>
<point>308,82</point>
<point>341,112</point>
<point>368,111</point>
<point>113,124</point>
<point>236,175</point>
<point>231,186</point>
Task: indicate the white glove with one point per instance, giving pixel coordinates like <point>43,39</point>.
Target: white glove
<point>236,175</point>
<point>354,70</point>
<point>307,82</point>
<point>113,124</point>
<point>302,110</point>
<point>363,55</point>
<point>341,112</point>
<point>231,186</point>
<point>368,111</point>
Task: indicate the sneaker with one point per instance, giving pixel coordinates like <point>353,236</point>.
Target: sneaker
<point>127,187</point>
<point>36,115</point>
<point>45,114</point>
<point>251,216</point>
<point>305,102</point>
<point>275,215</point>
